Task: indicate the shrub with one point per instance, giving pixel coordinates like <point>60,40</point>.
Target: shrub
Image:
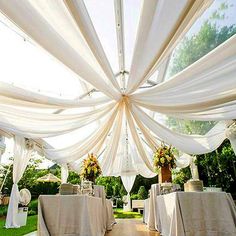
<point>33,207</point>
<point>119,203</point>
<point>32,213</point>
<point>134,197</point>
<point>3,211</point>
<point>142,193</point>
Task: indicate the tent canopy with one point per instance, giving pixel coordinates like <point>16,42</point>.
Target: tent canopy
<point>117,115</point>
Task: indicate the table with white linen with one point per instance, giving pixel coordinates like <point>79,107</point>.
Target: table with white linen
<point>109,215</point>
<point>146,210</point>
<point>196,214</point>
<point>72,215</point>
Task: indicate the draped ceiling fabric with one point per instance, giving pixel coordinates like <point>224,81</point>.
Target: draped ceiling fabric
<point>205,91</point>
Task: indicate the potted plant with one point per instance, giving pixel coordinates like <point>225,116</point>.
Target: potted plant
<point>164,161</point>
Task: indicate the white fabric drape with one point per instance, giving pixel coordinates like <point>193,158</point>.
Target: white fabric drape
<point>203,91</point>
<point>111,150</point>
<point>22,154</point>
<point>64,173</point>
<point>19,97</point>
<point>156,41</point>
<point>39,125</point>
<point>82,18</point>
<point>78,150</point>
<point>183,161</point>
<point>128,182</point>
<point>191,144</point>
<point>137,140</point>
<point>206,90</point>
<point>55,31</point>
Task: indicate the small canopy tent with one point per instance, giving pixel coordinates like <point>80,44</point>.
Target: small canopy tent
<point>49,178</point>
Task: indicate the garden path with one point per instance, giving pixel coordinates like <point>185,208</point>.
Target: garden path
<point>131,227</point>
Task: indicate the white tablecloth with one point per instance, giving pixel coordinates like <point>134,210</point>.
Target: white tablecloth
<point>196,214</point>
<point>110,216</point>
<point>146,210</point>
<point>72,215</point>
<point>99,191</point>
<point>152,219</point>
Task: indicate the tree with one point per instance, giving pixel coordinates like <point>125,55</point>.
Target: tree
<point>218,168</point>
<point>195,46</point>
<point>210,35</point>
<point>182,176</point>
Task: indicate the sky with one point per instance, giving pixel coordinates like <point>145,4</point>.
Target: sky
<point>26,65</point>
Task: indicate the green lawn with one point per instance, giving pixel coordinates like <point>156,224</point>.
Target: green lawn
<point>119,214</point>
<point>30,227</point>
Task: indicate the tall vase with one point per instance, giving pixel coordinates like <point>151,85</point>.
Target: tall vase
<point>164,175</point>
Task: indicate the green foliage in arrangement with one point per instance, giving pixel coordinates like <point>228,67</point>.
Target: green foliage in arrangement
<point>164,156</point>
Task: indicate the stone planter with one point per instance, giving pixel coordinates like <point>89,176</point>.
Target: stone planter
<point>164,175</point>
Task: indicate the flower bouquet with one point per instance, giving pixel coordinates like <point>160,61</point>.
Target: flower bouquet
<point>90,168</point>
<point>164,157</point>
<point>164,161</point>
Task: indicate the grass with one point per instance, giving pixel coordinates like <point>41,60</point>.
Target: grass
<point>30,227</point>
<point>120,214</point>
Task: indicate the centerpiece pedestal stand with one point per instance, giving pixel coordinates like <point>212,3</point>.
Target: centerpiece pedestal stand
<point>164,175</point>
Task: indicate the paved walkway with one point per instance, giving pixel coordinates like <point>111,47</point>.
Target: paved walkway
<point>131,227</point>
<point>125,227</point>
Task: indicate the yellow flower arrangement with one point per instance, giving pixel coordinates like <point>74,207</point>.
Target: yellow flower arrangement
<point>90,168</point>
<point>164,156</point>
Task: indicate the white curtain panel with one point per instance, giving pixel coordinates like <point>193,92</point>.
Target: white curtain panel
<point>41,125</point>
<point>64,173</point>
<point>206,90</point>
<point>56,31</point>
<point>22,154</point>
<point>155,41</point>
<point>128,182</point>
<point>19,97</point>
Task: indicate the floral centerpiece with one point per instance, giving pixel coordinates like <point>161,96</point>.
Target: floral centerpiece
<point>90,168</point>
<point>164,161</point>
